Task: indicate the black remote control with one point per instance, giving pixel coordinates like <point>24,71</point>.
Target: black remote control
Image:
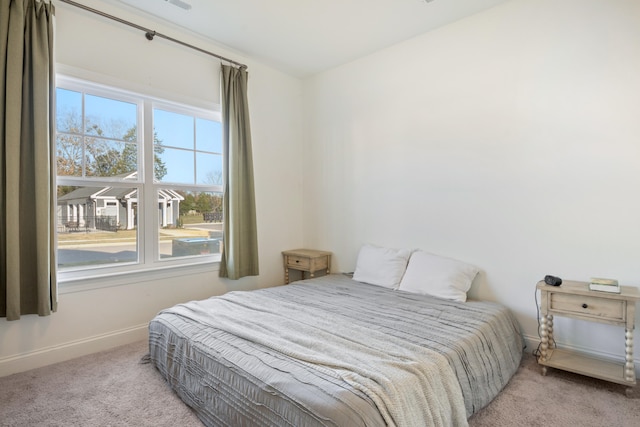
<point>552,280</point>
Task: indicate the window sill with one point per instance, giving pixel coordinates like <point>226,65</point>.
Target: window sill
<point>95,280</point>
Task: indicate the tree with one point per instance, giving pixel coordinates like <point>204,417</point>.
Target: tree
<point>103,157</point>
<point>68,146</point>
<point>207,202</point>
<point>188,204</point>
<point>203,203</point>
<point>214,177</point>
<point>159,168</point>
<point>200,202</point>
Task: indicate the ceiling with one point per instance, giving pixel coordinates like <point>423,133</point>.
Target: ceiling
<point>303,37</point>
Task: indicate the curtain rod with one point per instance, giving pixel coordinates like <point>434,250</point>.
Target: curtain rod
<point>150,34</point>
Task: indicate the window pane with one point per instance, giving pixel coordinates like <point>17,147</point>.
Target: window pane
<point>109,118</point>
<point>69,155</point>
<point>190,222</point>
<point>208,135</point>
<point>68,111</point>
<point>179,165</point>
<point>209,169</point>
<point>111,158</point>
<point>99,148</point>
<point>173,129</point>
<point>96,226</point>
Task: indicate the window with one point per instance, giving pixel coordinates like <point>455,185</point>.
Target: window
<point>139,181</point>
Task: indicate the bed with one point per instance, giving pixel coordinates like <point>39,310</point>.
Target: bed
<point>333,351</point>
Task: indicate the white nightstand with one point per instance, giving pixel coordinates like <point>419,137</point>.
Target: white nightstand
<point>575,300</point>
<point>306,260</point>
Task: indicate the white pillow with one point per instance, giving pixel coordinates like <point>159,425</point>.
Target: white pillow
<point>438,276</point>
<point>381,266</point>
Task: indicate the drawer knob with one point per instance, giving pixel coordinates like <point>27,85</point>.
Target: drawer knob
<point>297,261</point>
<point>584,305</point>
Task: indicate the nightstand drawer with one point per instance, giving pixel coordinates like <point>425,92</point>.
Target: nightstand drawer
<point>594,307</point>
<point>298,262</point>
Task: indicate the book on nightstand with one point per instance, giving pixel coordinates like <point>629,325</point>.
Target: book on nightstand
<point>604,285</point>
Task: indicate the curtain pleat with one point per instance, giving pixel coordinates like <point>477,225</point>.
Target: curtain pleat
<point>27,173</point>
<point>240,249</point>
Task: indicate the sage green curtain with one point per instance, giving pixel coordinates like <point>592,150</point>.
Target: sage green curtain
<point>27,176</point>
<point>240,249</point>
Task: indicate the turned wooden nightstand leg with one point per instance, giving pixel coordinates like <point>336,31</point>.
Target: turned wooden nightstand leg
<point>629,370</point>
<point>546,337</point>
<point>286,276</point>
<point>544,341</point>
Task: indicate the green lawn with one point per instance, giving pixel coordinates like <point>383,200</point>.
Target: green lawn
<point>192,219</point>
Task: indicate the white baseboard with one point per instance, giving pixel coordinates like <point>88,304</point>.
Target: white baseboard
<point>60,353</point>
<point>532,342</point>
<point>70,350</point>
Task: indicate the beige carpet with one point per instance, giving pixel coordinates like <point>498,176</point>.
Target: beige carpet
<point>113,389</point>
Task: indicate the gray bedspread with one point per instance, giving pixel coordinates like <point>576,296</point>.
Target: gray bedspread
<point>332,351</point>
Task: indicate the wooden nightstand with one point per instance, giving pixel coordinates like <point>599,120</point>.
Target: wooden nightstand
<point>575,300</point>
<point>306,260</point>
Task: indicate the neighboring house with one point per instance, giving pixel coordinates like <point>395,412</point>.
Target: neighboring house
<point>111,208</point>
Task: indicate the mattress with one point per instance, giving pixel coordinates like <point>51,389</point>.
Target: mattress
<point>335,352</point>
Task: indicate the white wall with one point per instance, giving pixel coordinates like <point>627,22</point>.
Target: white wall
<point>510,139</point>
<point>92,47</point>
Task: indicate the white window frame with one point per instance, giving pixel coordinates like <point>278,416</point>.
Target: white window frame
<point>149,261</point>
